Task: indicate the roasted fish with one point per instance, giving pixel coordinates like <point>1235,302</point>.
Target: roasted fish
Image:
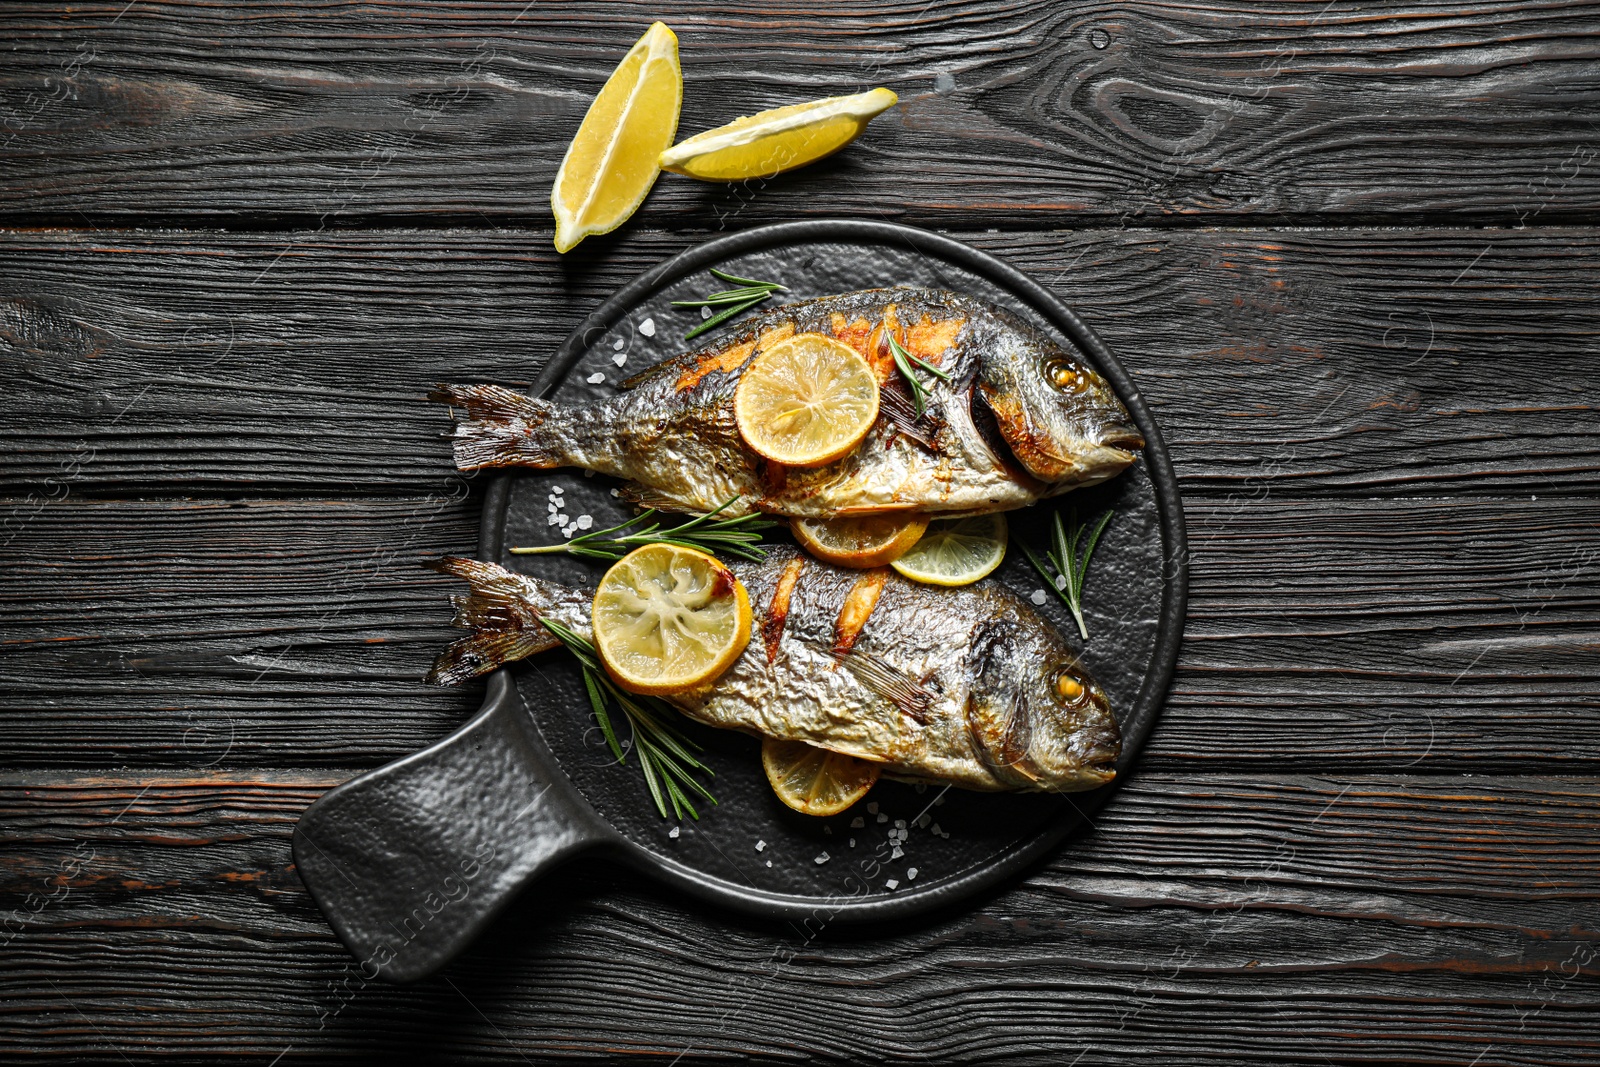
<point>964,686</point>
<point>1019,420</point>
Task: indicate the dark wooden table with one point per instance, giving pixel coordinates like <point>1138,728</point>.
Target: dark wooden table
<point>1349,250</point>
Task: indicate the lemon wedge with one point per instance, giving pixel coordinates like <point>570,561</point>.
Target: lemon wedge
<point>956,551</point>
<point>770,142</point>
<point>806,401</point>
<point>668,618</point>
<point>611,163</point>
<point>864,541</point>
<point>813,780</point>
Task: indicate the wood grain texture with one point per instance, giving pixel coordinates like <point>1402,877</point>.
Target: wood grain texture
<point>1421,634</point>
<point>1010,114</point>
<point>1357,360</point>
<point>1209,918</point>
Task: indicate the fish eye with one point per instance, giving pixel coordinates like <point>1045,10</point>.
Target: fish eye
<point>1070,688</point>
<point>1065,377</point>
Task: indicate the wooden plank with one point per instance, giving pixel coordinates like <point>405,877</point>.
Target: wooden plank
<point>1354,360</point>
<point>1422,634</point>
<point>1425,919</point>
<point>1019,114</point>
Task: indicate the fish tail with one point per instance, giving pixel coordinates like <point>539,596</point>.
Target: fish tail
<point>503,428</point>
<point>502,610</point>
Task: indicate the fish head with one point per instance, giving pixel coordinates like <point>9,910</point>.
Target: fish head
<point>1058,417</point>
<point>1036,717</point>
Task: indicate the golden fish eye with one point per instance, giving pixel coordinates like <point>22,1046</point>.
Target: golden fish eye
<point>1065,376</point>
<point>1068,688</point>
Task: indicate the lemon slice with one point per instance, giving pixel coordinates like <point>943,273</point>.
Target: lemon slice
<point>667,619</point>
<point>813,780</point>
<point>768,143</point>
<point>806,401</point>
<point>611,163</point>
<point>867,541</point>
<point>956,551</point>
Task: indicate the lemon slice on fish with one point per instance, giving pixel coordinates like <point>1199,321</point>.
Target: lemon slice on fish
<point>813,780</point>
<point>956,551</point>
<point>612,161</point>
<point>667,619</point>
<point>770,142</point>
<point>806,401</point>
<point>865,541</point>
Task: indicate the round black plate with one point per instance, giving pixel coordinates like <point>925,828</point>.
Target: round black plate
<point>749,851</point>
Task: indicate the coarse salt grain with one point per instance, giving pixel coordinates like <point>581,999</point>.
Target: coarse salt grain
<point>585,521</point>
<point>620,358</point>
<point>588,474</point>
<point>672,832</point>
<point>648,327</point>
<point>1061,581</point>
<point>897,853</point>
<point>761,846</point>
<point>616,492</point>
<point>1037,596</point>
<point>555,520</point>
<point>936,829</point>
<point>563,520</point>
<point>899,824</point>
<point>891,883</point>
<point>769,863</point>
<point>883,818</point>
<point>911,872</point>
<point>820,860</point>
<point>827,829</point>
<point>618,343</point>
<point>857,823</point>
<point>596,378</point>
<point>852,842</point>
<point>873,807</point>
<point>705,313</point>
<point>923,820</point>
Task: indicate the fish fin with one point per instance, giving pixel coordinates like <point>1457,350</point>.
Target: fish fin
<point>897,410</point>
<point>666,366</point>
<point>646,497</point>
<point>891,683</point>
<point>503,428</point>
<point>502,611</point>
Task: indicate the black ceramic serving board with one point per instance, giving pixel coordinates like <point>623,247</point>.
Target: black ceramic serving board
<point>409,862</point>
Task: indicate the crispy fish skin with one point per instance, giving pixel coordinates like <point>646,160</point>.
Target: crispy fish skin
<point>965,686</point>
<point>1021,419</point>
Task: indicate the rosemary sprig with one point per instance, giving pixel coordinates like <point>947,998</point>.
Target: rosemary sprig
<point>1069,564</point>
<point>748,294</point>
<point>734,537</point>
<point>664,753</point>
<point>903,361</point>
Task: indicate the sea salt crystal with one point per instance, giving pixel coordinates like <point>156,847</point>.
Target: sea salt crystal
<point>923,820</point>
<point>938,800</point>
<point>617,346</point>
<point>892,883</point>
<point>937,830</point>
<point>857,823</point>
<point>672,832</point>
<point>648,327</point>
<point>620,358</point>
<point>852,842</point>
<point>588,474</point>
<point>616,492</point>
<point>827,830</point>
<point>1061,581</point>
<point>873,807</point>
<point>555,520</point>
<point>596,378</point>
<point>552,507</point>
<point>897,853</point>
<point>820,860</point>
<point>899,824</point>
<point>563,520</point>
<point>1037,597</point>
<point>769,863</point>
<point>761,846</point>
<point>585,521</point>
<point>911,872</point>
<point>705,313</point>
<point>883,818</point>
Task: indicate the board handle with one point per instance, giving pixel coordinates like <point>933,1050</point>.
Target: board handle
<point>410,862</point>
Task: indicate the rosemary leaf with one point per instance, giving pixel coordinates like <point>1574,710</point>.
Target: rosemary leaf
<point>734,279</point>
<point>740,536</point>
<point>733,301</point>
<point>1069,564</point>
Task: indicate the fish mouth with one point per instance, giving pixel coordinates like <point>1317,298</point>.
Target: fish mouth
<point>1123,438</point>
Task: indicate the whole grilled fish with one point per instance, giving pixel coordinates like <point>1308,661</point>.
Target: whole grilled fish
<point>968,686</point>
<point>1019,420</point>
